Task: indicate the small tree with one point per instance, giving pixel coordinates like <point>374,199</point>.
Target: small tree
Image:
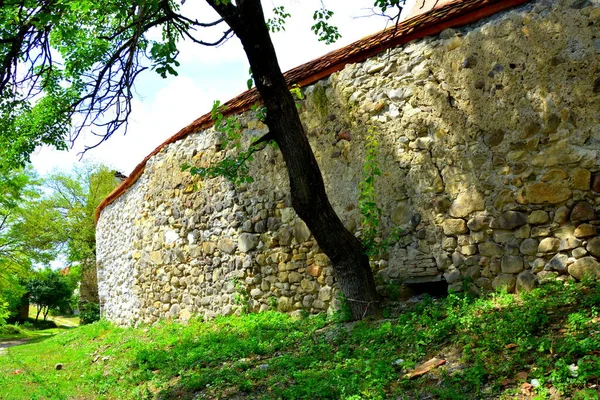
<point>27,235</point>
<point>49,290</point>
<point>61,222</point>
<point>75,196</point>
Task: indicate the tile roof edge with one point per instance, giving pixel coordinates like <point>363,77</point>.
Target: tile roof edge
<point>430,23</point>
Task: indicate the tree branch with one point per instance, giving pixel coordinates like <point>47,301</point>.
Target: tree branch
<point>266,138</point>
<point>227,11</point>
<point>226,36</point>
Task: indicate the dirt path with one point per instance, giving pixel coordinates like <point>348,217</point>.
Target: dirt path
<point>59,321</point>
<point>5,344</point>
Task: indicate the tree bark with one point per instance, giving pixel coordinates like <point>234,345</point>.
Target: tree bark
<point>309,199</point>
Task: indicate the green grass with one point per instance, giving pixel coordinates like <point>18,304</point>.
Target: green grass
<point>60,320</point>
<point>28,330</point>
<point>32,328</point>
<point>492,346</point>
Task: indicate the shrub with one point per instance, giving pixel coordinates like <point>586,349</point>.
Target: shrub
<point>90,312</point>
<point>4,313</point>
<point>11,330</point>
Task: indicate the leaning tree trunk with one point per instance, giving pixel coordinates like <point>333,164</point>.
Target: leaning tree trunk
<point>309,199</point>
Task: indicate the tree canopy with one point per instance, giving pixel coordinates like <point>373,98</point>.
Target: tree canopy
<point>27,232</point>
<point>75,197</point>
<point>70,65</point>
<point>17,252</point>
<point>42,220</point>
<point>49,290</point>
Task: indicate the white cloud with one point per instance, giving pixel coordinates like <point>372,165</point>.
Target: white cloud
<point>165,106</point>
<point>151,123</point>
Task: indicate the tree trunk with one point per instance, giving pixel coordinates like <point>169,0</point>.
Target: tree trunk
<point>309,199</point>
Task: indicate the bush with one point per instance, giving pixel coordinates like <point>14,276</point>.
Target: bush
<point>39,325</point>
<point>11,330</point>
<point>11,298</point>
<point>4,313</point>
<point>90,312</point>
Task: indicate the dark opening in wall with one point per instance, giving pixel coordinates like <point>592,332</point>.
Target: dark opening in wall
<point>434,289</point>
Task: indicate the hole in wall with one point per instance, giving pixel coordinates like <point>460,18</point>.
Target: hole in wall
<point>434,289</point>
<point>414,290</point>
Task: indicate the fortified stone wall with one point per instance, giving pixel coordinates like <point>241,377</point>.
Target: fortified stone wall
<point>488,141</point>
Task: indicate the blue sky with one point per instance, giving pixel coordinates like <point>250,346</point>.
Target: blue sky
<point>164,106</point>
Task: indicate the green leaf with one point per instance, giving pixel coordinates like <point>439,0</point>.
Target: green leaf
<point>322,28</point>
<point>277,23</point>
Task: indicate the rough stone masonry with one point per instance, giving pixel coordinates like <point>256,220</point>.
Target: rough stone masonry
<point>488,142</point>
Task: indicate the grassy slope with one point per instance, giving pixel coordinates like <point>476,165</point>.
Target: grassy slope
<point>492,346</point>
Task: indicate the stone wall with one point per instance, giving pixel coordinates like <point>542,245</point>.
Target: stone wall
<point>488,142</point>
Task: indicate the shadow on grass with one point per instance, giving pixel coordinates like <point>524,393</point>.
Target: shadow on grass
<point>8,342</point>
<point>499,342</point>
<point>227,356</point>
<point>30,331</point>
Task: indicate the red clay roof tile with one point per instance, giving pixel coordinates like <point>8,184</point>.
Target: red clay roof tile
<point>449,15</point>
